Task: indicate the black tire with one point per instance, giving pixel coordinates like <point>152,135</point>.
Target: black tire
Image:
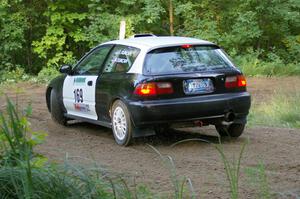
<point>57,113</point>
<point>233,130</point>
<point>122,137</point>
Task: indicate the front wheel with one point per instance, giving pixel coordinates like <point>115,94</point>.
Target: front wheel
<point>233,130</point>
<point>121,123</point>
<point>57,113</point>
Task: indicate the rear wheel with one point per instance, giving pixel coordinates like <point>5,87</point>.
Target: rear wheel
<point>232,130</point>
<point>57,113</point>
<point>121,123</point>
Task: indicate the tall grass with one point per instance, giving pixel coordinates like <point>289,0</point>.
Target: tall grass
<point>232,166</point>
<point>232,169</point>
<point>25,174</point>
<point>258,180</point>
<point>183,187</point>
<point>283,110</point>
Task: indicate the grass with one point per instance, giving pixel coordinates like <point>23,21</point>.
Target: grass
<point>282,110</point>
<point>231,165</point>
<point>183,187</point>
<point>232,169</point>
<point>258,180</point>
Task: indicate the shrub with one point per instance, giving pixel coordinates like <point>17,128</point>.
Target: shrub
<point>18,75</point>
<point>11,76</point>
<point>252,65</point>
<point>47,74</point>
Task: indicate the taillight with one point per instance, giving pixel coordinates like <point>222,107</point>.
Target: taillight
<point>242,81</point>
<point>235,81</point>
<point>153,88</point>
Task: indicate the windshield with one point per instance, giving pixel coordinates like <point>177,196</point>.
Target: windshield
<point>185,59</point>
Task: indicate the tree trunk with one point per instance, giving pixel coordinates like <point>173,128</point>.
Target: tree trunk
<point>29,35</point>
<point>171,17</point>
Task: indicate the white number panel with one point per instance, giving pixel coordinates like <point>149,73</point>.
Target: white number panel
<point>79,96</point>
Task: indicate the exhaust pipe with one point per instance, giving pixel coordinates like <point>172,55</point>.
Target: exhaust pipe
<point>229,116</point>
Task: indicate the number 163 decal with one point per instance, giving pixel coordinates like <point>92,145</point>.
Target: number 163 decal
<point>78,95</point>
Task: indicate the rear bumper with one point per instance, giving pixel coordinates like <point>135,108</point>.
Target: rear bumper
<point>210,108</point>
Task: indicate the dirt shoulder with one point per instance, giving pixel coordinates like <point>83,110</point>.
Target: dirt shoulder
<point>84,143</point>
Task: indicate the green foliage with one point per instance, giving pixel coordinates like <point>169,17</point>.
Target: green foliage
<point>281,111</point>
<point>67,181</point>
<point>21,22</point>
<point>8,76</point>
<point>103,26</point>
<point>12,26</point>
<point>16,138</point>
<point>252,65</point>
<point>63,33</point>
<point>240,25</point>
<point>38,33</point>
<point>13,76</point>
<point>47,74</point>
<point>16,149</point>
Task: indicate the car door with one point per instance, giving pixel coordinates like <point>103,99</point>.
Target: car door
<point>115,81</point>
<point>79,88</point>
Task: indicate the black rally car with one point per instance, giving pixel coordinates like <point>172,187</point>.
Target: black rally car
<point>137,85</point>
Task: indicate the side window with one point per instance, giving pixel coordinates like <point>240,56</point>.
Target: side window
<point>91,64</point>
<point>120,59</point>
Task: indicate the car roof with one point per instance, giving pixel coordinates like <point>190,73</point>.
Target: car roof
<point>152,42</point>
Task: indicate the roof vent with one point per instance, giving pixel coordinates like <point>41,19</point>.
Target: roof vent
<point>143,35</point>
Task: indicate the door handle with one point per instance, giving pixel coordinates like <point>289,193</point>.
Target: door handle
<point>90,83</point>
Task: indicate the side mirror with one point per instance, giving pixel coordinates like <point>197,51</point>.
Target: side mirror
<point>66,69</point>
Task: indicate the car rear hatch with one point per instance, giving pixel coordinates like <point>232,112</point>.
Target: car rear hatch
<point>186,71</point>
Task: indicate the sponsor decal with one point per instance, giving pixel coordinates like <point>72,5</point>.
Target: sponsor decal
<point>120,60</point>
<point>82,107</point>
<point>79,80</point>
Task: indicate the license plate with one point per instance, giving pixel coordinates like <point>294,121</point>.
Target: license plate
<point>198,86</point>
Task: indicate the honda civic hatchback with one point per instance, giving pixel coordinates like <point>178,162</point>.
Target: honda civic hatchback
<point>140,85</point>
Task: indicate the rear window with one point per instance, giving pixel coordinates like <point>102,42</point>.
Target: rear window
<point>185,59</point>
